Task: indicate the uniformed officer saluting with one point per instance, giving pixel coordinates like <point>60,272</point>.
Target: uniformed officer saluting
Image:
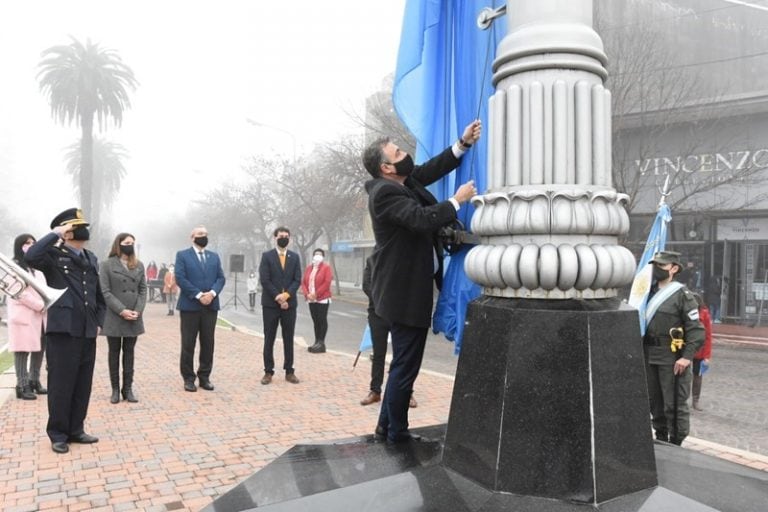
<point>73,323</point>
<point>673,335</point>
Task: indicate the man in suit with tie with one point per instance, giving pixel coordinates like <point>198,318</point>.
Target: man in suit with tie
<point>407,259</point>
<point>200,279</point>
<point>73,323</point>
<point>280,276</point>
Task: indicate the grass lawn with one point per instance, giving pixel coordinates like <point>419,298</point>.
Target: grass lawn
<point>6,360</point>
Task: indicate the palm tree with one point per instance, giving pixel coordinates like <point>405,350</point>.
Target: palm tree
<point>108,172</point>
<point>83,82</point>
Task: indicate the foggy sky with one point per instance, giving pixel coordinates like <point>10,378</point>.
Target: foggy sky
<point>203,68</point>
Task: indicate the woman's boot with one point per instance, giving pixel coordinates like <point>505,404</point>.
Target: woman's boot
<point>36,362</point>
<point>128,395</point>
<point>114,372</point>
<point>318,347</point>
<point>128,347</point>
<point>37,387</point>
<point>25,393</point>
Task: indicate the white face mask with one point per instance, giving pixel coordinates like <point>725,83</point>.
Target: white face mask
<point>317,258</point>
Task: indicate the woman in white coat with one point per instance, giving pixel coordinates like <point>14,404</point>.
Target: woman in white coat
<point>26,325</point>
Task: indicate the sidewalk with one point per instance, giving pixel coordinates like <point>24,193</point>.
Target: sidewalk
<point>178,451</point>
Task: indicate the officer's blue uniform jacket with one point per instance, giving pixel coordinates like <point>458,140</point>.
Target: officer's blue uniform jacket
<point>80,311</point>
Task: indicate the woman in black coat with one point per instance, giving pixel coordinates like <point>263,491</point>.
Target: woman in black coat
<point>124,285</point>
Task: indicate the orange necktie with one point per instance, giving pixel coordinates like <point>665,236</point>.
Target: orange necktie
<point>282,260</point>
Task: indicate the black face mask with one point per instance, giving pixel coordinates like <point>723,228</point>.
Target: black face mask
<point>405,166</point>
<point>282,242</point>
<point>81,233</point>
<point>659,274</point>
<point>127,250</point>
<point>201,241</point>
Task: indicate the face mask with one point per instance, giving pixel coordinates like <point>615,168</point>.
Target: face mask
<point>659,274</point>
<point>282,242</point>
<point>201,241</point>
<point>81,233</point>
<point>405,166</point>
<point>170,269</point>
<point>127,250</point>
<point>317,258</point>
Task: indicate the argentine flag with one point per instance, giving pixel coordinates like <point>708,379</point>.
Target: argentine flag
<point>657,241</point>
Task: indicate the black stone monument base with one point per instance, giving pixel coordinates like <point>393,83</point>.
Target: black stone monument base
<point>364,475</point>
<point>549,414</point>
<point>550,400</point>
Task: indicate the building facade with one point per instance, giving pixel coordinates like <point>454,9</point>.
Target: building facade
<point>691,107</point>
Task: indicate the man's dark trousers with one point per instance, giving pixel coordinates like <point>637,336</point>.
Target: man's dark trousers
<point>407,353</point>
<point>201,322</point>
<point>68,398</point>
<point>286,318</point>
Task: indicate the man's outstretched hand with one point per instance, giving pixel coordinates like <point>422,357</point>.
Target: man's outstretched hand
<point>472,132</point>
<point>465,192</point>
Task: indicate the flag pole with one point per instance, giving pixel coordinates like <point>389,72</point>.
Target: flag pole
<point>664,193</point>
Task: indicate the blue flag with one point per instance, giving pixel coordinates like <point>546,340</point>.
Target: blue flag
<point>367,342</point>
<point>657,241</point>
<point>442,83</point>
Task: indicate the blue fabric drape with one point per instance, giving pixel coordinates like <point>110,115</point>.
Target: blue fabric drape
<point>442,83</point>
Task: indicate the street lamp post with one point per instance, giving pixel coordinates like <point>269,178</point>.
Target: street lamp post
<point>283,130</point>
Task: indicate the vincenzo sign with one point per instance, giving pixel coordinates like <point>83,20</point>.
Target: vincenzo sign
<point>727,163</point>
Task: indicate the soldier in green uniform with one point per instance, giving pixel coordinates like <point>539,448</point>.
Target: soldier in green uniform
<point>673,335</point>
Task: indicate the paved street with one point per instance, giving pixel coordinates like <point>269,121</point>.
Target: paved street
<point>347,318</point>
<point>735,398</point>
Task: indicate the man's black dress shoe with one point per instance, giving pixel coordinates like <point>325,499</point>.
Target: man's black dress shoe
<point>380,434</point>
<point>83,439</point>
<point>206,385</point>
<point>190,386</point>
<point>60,447</point>
<point>405,437</point>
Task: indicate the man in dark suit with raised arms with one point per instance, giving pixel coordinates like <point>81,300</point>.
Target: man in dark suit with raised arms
<point>407,258</point>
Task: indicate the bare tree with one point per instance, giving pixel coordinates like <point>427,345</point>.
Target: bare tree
<point>381,120</point>
<point>327,194</point>
<point>319,198</point>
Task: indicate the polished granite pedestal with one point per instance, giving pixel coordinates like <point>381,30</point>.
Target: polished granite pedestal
<point>549,414</point>
<point>550,400</point>
<point>363,475</point>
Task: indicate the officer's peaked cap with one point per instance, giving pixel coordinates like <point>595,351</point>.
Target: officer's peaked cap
<point>72,216</point>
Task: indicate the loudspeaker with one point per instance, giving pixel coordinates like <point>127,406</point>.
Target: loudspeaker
<point>236,263</point>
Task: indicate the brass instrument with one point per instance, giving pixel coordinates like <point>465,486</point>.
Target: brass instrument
<point>14,280</point>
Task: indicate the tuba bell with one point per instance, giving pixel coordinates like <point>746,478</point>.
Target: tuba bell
<point>14,280</point>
